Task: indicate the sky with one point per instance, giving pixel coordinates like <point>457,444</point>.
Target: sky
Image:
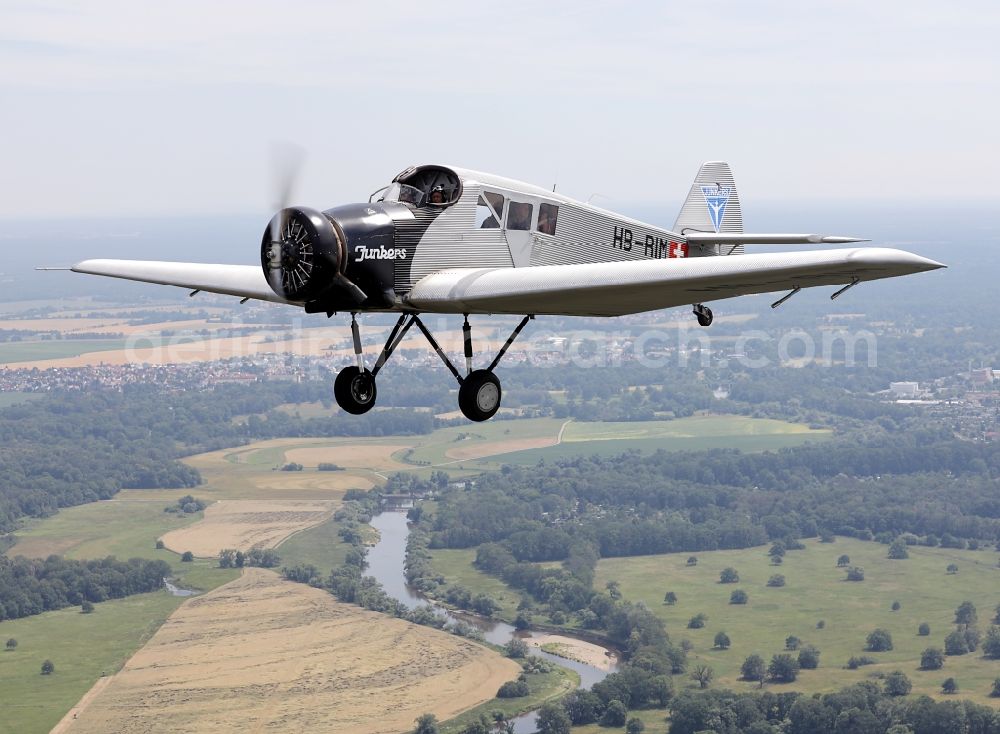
<point>134,108</point>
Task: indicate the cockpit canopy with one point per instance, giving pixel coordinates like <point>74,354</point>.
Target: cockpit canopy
<point>424,186</point>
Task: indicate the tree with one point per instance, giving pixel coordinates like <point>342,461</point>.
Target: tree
<point>776,581</point>
<point>11,644</point>
<point>187,557</point>
<point>739,597</point>
<point>48,668</point>
<point>513,689</point>
<point>615,714</point>
<point>614,589</point>
<point>966,613</point>
<point>844,560</point>
<point>583,707</point>
<point>670,598</point>
<point>426,724</point>
<point>753,668</point>
<point>924,629</point>
<point>783,668</point>
<point>931,659</point>
<point>879,640</point>
<point>792,642</point>
<point>729,576</point>
<point>855,573</point>
<point>722,641</point>
<point>897,550</point>
<point>956,643</point>
<point>995,693</point>
<point>821,624</point>
<point>553,719</point>
<point>777,549</point>
<point>160,545</point>
<point>952,568</point>
<point>703,675</point>
<point>516,648</point>
<point>692,560</point>
<point>697,621</point>
<point>522,621</point>
<point>896,606</point>
<point>809,658</point>
<point>86,607</point>
<point>996,612</point>
<point>227,558</point>
<point>897,684</point>
<point>949,686</point>
<point>635,726</point>
<point>991,645</point>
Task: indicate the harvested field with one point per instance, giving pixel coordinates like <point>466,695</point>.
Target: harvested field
<point>361,455</point>
<point>264,654</point>
<point>326,342</point>
<point>494,448</point>
<point>246,524</point>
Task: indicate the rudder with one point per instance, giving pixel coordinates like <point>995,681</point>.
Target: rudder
<point>712,204</point>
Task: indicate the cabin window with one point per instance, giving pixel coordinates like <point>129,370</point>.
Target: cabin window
<point>547,216</point>
<point>489,210</point>
<point>519,215</point>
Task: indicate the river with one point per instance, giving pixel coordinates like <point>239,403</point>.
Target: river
<point>385,563</point>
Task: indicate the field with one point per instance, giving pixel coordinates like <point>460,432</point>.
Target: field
<point>261,654</point>
<point>683,434</point>
<point>320,341</point>
<point>82,647</point>
<point>455,564</point>
<point>245,524</point>
<point>122,527</point>
<point>816,590</point>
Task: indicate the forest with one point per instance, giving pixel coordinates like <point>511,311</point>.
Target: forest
<point>33,586</point>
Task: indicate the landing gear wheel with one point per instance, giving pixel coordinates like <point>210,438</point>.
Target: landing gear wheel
<point>704,314</point>
<point>479,395</point>
<point>355,390</point>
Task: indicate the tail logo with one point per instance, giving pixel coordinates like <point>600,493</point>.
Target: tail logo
<point>716,197</point>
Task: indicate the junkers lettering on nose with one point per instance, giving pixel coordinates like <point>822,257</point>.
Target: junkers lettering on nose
<point>379,253</point>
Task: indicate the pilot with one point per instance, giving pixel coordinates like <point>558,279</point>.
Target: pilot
<point>437,195</point>
<point>544,223</point>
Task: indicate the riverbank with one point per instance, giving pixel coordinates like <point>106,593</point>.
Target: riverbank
<point>571,648</point>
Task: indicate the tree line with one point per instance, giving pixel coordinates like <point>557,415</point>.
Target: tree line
<point>32,586</point>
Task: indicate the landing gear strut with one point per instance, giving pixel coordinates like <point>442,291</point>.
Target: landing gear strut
<point>479,391</point>
<point>703,313</point>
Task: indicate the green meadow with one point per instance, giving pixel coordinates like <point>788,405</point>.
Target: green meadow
<point>816,590</point>
<point>81,646</point>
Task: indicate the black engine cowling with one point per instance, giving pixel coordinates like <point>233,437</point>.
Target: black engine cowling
<point>302,254</point>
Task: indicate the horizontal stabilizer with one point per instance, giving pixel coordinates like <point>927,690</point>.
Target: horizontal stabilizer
<point>743,238</point>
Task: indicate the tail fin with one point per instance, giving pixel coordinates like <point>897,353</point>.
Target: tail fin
<point>712,204</point>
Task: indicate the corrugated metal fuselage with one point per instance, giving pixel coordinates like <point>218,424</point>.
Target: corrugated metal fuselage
<point>452,238</point>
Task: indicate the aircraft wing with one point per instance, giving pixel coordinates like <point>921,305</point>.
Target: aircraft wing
<point>245,281</point>
<point>618,288</point>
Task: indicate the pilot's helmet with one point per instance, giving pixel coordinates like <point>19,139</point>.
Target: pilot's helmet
<point>437,194</point>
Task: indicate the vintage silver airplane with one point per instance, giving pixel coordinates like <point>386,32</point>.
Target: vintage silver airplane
<point>441,239</point>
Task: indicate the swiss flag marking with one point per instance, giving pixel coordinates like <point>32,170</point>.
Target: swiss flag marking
<point>677,249</point>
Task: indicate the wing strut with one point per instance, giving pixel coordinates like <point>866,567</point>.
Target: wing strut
<point>785,297</point>
<point>854,282</point>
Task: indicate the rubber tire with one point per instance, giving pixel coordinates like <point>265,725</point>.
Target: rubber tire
<point>705,317</point>
<point>479,396</point>
<point>354,390</point>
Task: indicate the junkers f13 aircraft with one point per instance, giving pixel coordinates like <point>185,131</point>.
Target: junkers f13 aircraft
<point>441,239</point>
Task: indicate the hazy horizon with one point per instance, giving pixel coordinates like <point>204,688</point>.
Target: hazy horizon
<point>129,109</point>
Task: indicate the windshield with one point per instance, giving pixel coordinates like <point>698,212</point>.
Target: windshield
<point>404,194</point>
